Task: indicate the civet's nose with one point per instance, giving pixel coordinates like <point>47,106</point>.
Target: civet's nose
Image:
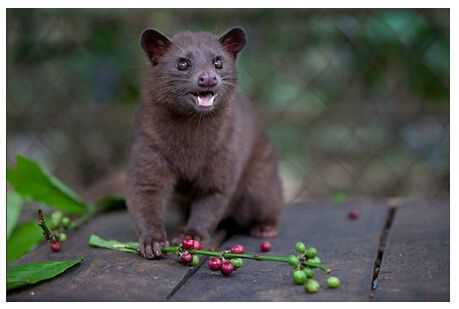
<point>207,80</point>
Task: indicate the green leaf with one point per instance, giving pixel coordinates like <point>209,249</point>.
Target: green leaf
<point>24,238</point>
<point>27,274</point>
<point>130,247</point>
<point>13,210</point>
<point>34,183</point>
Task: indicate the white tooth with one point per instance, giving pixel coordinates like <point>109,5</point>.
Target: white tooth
<point>205,101</point>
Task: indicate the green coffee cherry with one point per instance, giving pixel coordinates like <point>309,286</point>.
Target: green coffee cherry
<point>62,236</point>
<point>315,260</point>
<point>311,286</point>
<point>333,282</point>
<point>309,273</point>
<point>56,218</point>
<point>299,247</point>
<point>65,222</point>
<point>299,277</point>
<point>311,252</point>
<point>237,263</point>
<point>293,261</point>
<point>195,260</point>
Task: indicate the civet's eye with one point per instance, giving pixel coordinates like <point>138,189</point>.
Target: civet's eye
<point>218,63</point>
<point>183,64</point>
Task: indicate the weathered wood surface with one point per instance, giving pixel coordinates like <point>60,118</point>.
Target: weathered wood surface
<point>415,263</point>
<point>416,259</point>
<point>104,275</point>
<point>349,247</point>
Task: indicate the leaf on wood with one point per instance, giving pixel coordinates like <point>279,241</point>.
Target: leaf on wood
<point>34,183</point>
<point>130,247</point>
<point>27,274</point>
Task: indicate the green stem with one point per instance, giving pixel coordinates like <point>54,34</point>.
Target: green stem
<point>272,258</point>
<point>132,247</point>
<point>90,213</point>
<point>227,255</point>
<point>42,223</point>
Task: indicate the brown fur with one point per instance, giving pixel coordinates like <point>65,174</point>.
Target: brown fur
<point>220,161</point>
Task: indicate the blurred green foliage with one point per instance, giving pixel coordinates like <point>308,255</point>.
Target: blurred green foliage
<point>25,237</point>
<point>34,183</point>
<point>344,92</point>
<point>14,206</point>
<point>416,43</point>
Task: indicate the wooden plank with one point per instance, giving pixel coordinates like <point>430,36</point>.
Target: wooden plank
<point>349,247</point>
<point>104,275</point>
<point>415,265</point>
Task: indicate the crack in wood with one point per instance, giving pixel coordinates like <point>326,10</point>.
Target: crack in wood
<point>382,246</point>
<point>185,278</point>
<point>220,237</point>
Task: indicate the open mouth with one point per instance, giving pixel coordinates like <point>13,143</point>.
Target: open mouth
<point>204,98</point>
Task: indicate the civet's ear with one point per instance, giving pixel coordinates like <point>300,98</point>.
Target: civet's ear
<point>155,44</point>
<point>233,40</point>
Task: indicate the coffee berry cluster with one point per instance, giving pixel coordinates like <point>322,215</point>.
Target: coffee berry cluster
<point>58,224</point>
<point>304,265</point>
<point>227,266</point>
<point>215,263</point>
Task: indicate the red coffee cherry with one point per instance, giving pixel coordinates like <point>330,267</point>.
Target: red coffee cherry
<point>186,257</point>
<point>237,249</point>
<point>55,246</point>
<point>265,246</point>
<point>353,215</point>
<point>197,245</point>
<point>188,244</point>
<point>214,263</point>
<point>227,268</point>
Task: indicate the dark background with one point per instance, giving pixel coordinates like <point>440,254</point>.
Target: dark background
<point>357,101</point>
